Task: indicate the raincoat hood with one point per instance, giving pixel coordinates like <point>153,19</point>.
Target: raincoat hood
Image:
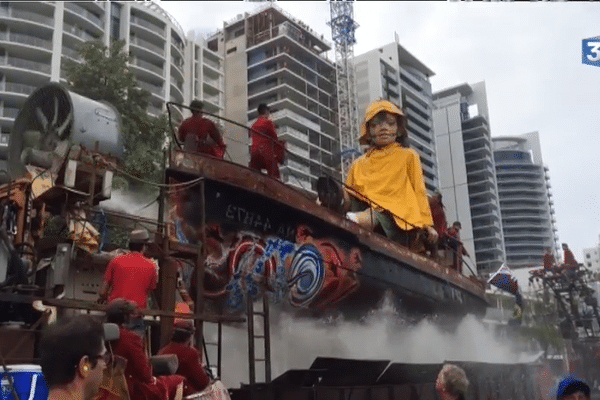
<point>373,109</point>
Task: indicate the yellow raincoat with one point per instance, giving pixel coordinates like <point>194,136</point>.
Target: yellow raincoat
<point>392,178</point>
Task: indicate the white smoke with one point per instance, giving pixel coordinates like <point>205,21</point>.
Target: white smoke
<point>383,335</point>
<point>132,203</point>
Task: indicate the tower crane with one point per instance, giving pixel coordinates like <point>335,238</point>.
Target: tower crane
<point>343,27</point>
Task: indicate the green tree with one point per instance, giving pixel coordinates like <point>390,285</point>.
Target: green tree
<point>104,74</point>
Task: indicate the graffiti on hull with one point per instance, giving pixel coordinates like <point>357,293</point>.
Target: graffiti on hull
<point>246,253</point>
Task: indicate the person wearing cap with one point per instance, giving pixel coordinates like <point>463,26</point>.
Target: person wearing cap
<point>73,358</point>
<point>141,385</point>
<point>189,357</point>
<point>201,128</point>
<point>266,151</point>
<point>571,388</point>
<point>451,383</point>
<point>131,275</point>
<point>389,174</point>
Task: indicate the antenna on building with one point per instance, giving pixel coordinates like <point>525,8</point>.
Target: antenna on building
<point>343,27</point>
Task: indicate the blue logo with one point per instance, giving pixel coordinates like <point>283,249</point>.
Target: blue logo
<point>590,51</point>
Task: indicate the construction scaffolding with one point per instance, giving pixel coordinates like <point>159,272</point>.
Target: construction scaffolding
<point>343,27</point>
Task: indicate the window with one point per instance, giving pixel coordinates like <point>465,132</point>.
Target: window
<point>232,50</point>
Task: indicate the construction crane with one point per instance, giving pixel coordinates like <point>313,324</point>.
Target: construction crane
<point>343,27</point>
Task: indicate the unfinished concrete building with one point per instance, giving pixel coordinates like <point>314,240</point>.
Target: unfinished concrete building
<point>271,57</point>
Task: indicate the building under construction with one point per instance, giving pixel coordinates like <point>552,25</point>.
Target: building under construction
<point>271,57</point>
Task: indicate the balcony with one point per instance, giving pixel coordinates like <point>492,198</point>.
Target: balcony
<point>154,89</point>
<point>148,66</point>
<point>82,12</point>
<point>146,45</point>
<point>211,63</point>
<point>283,115</point>
<point>292,135</point>
<point>300,152</point>
<point>8,112</point>
<point>28,16</point>
<point>25,64</point>
<point>148,25</point>
<point>26,39</point>
<point>78,32</point>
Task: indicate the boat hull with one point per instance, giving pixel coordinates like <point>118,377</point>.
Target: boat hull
<point>264,236</point>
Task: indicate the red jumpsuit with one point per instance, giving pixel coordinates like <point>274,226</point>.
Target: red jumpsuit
<point>440,224</point>
<point>453,234</point>
<point>140,382</point>
<point>266,151</point>
<point>189,366</point>
<point>202,128</point>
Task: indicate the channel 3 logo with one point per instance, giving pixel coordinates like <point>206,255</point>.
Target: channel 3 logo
<point>590,51</point>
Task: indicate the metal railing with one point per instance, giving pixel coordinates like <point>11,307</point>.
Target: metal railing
<point>148,25</point>
<point>26,39</point>
<point>147,45</point>
<point>79,10</point>
<point>25,64</point>
<point>26,15</point>
<point>149,66</point>
<point>80,33</point>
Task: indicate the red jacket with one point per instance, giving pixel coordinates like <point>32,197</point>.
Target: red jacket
<point>264,139</point>
<point>569,258</point>
<point>440,224</point>
<point>202,128</point>
<point>138,372</point>
<point>189,365</point>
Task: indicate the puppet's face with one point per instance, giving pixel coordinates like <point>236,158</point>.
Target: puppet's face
<point>383,129</point>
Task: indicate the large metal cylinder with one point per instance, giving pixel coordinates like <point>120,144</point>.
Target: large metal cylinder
<point>51,115</point>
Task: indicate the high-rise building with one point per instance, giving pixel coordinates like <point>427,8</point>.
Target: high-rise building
<point>591,257</point>
<point>526,205</point>
<point>35,37</point>
<point>390,72</point>
<point>271,57</point>
<point>467,174</point>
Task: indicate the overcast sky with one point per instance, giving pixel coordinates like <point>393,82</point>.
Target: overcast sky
<point>528,54</point>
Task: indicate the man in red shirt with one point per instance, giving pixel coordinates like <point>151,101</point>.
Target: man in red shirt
<point>188,356</point>
<point>131,275</point>
<point>200,128</point>
<point>266,150</point>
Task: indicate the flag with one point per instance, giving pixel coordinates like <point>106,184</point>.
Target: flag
<point>505,280</point>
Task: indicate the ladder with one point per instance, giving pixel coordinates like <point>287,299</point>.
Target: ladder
<point>215,365</point>
<point>255,333</point>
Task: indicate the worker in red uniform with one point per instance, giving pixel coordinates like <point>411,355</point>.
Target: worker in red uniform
<point>266,150</point>
<point>190,366</point>
<point>199,128</point>
<point>440,224</point>
<point>549,260</point>
<point>141,385</point>
<point>131,275</point>
<point>569,259</point>
<point>454,242</point>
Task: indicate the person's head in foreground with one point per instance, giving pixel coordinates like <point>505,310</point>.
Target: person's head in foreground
<point>571,388</point>
<point>451,383</point>
<point>383,125</point>
<point>73,357</point>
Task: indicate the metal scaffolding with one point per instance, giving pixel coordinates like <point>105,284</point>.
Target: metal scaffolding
<point>343,27</point>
